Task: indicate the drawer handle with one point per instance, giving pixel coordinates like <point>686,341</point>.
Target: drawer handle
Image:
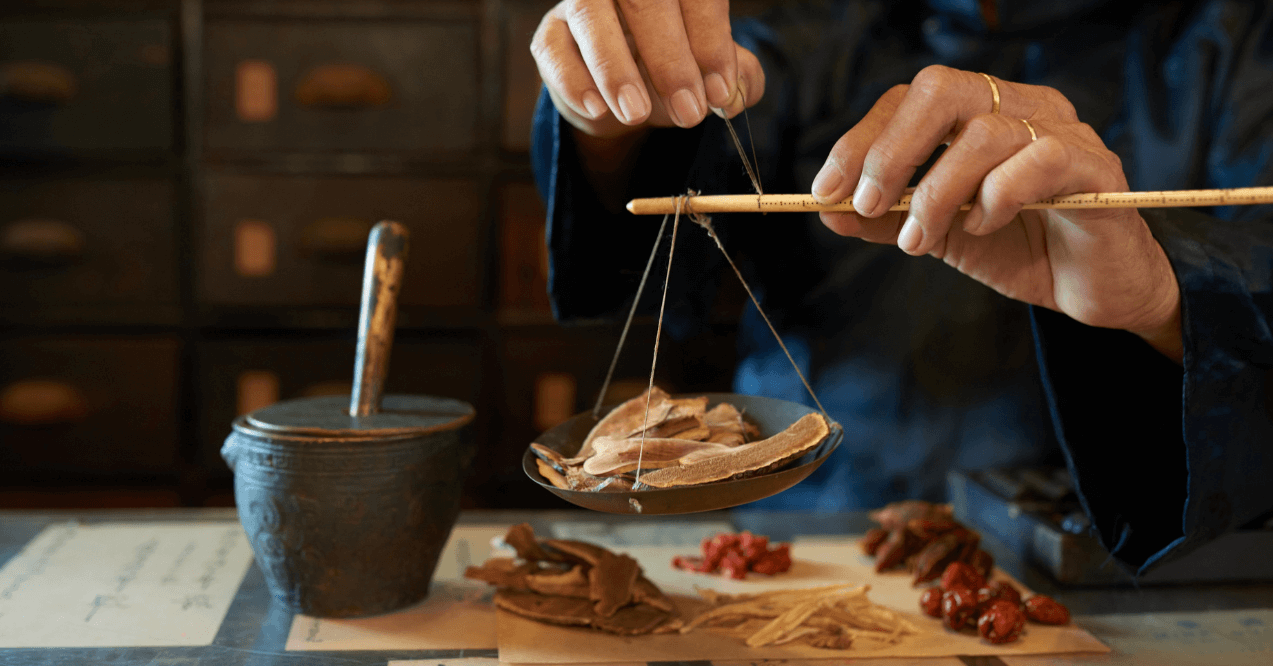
<point>41,242</point>
<point>37,81</point>
<point>336,239</point>
<point>41,402</point>
<point>343,87</point>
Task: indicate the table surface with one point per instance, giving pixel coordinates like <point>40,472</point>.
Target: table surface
<point>255,628</point>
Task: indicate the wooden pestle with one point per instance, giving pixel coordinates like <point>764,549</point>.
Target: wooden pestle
<point>381,281</point>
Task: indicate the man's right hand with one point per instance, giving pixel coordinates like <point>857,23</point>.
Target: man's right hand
<point>616,67</point>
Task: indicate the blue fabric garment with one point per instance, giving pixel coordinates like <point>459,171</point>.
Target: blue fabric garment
<point>928,370</point>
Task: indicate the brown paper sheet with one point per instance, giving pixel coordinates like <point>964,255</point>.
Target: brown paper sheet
<point>816,562</point>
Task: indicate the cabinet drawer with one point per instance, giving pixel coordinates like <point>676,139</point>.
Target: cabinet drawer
<point>88,406</point>
<point>523,281</point>
<point>341,86</point>
<point>521,75</point>
<point>87,242</point>
<point>86,85</point>
<point>239,376</point>
<point>301,241</point>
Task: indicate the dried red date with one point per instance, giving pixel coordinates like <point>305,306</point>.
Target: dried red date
<point>892,552</point>
<point>930,601</point>
<point>1001,622</point>
<point>873,539</point>
<point>983,562</point>
<point>996,591</point>
<point>958,607</point>
<point>736,555</point>
<point>960,574</point>
<point>1046,610</point>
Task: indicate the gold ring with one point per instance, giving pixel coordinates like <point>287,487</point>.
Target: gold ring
<point>994,90</point>
<point>1033,135</point>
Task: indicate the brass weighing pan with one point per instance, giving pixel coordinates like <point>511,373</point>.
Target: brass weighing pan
<point>771,415</point>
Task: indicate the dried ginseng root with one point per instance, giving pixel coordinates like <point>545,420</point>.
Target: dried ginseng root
<point>833,617</point>
<point>575,583</point>
<point>676,442</point>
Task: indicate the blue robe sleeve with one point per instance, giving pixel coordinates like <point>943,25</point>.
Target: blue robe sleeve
<point>1167,458</point>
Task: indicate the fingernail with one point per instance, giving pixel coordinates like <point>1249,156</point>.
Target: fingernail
<point>827,180</point>
<point>717,91</point>
<point>972,221</point>
<point>865,197</point>
<point>911,236</point>
<point>594,104</point>
<point>684,108</point>
<point>631,103</point>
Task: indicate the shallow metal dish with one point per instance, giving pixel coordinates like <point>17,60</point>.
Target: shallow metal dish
<point>769,414</point>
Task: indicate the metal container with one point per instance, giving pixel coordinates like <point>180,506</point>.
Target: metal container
<point>348,502</point>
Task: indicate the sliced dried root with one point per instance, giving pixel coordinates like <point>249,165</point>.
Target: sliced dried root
<point>832,617</point>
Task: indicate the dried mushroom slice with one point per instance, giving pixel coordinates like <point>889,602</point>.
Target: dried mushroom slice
<point>570,611</point>
<point>752,458</point>
<point>522,539</point>
<point>552,475</point>
<point>576,551</point>
<point>633,620</point>
<point>646,592</point>
<point>617,456</point>
<point>626,418</point>
<point>502,572</point>
<point>611,582</point>
<point>571,583</point>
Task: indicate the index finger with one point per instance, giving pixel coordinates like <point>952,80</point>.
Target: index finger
<point>658,29</point>
<point>938,103</point>
<point>595,26</point>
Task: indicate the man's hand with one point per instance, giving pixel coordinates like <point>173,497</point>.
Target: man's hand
<point>1101,267</point>
<point>615,67</point>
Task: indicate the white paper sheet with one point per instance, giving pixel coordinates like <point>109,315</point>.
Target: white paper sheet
<point>457,615</point>
<point>122,585</point>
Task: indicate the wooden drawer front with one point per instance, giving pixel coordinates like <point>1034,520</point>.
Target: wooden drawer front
<point>87,242</point>
<point>301,241</point>
<point>88,405</point>
<point>240,376</point>
<point>523,289</point>
<point>341,86</point>
<point>521,75</point>
<point>85,85</point>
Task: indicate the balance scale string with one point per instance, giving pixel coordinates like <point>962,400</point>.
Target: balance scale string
<point>706,223</point>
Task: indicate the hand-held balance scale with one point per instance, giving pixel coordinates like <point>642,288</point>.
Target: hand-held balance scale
<point>773,415</point>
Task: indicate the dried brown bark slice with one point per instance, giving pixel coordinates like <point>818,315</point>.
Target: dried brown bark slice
<point>752,458</point>
<point>611,582</point>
